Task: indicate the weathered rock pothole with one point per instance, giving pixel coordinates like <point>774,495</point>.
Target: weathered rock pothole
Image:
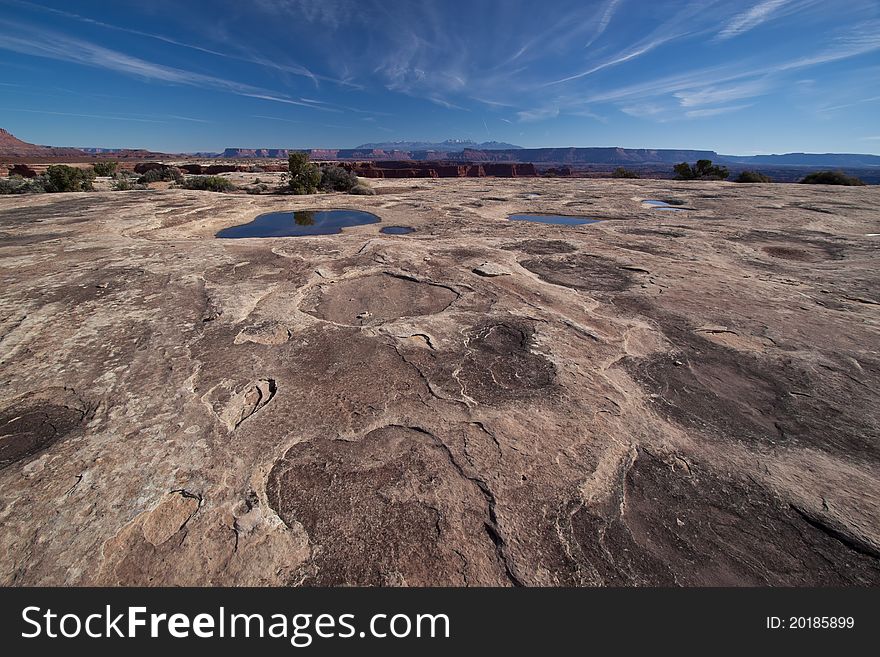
<point>233,405</point>
<point>581,272</point>
<point>170,516</point>
<point>28,429</point>
<point>746,397</point>
<point>795,253</point>
<point>268,333</point>
<point>651,232</point>
<point>800,246</point>
<point>392,508</point>
<point>710,530</point>
<point>541,247</point>
<point>558,219</point>
<point>500,364</point>
<point>377,298</point>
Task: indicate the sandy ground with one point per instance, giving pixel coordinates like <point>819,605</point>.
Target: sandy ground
<point>660,398</point>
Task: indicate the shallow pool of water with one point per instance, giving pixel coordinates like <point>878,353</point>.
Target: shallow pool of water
<point>563,219</point>
<point>664,205</point>
<point>396,230</point>
<point>299,223</point>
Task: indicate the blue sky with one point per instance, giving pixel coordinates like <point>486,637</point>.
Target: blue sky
<point>735,76</point>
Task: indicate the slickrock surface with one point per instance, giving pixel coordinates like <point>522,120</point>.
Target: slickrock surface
<point>660,398</point>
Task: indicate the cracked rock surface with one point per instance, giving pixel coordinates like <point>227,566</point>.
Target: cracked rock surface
<point>681,398</point>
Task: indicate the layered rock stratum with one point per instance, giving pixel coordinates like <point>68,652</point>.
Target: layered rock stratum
<point>661,398</point>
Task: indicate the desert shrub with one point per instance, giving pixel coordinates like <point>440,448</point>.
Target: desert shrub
<point>362,189</point>
<point>831,178</point>
<point>257,169</point>
<point>702,170</point>
<point>752,177</point>
<point>105,168</point>
<point>620,172</point>
<point>19,185</point>
<point>303,177</point>
<point>62,178</point>
<point>257,189</point>
<point>164,173</point>
<point>336,179</point>
<point>123,183</point>
<point>209,184</point>
<point>683,171</point>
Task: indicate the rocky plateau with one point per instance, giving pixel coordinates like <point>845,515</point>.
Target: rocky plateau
<point>661,398</point>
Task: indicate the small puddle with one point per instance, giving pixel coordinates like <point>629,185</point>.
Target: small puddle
<point>669,206</point>
<point>397,230</point>
<point>300,222</point>
<point>563,219</point>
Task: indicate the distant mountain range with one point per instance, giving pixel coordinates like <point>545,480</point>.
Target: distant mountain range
<point>806,159</point>
<point>564,156</point>
<point>448,146</point>
<point>459,150</point>
<point>11,145</point>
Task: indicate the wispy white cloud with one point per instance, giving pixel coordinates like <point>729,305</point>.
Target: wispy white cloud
<point>860,101</point>
<point>714,111</point>
<point>274,118</point>
<point>714,94</point>
<point>644,110</point>
<point>860,41</point>
<point>103,117</point>
<point>326,13</point>
<point>445,103</point>
<point>751,18</point>
<point>492,103</point>
<point>633,53</point>
<point>29,40</point>
<point>604,21</point>
<point>294,69</point>
<point>191,119</point>
<point>688,21</point>
<point>538,114</point>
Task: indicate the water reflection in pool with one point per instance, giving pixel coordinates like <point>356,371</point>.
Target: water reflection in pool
<point>396,230</point>
<point>669,205</point>
<point>563,219</point>
<point>299,223</point>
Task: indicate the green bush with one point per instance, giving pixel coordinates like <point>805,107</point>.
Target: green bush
<point>124,183</point>
<point>336,179</point>
<point>62,178</point>
<point>362,189</point>
<point>257,188</point>
<point>303,177</point>
<point>702,170</point>
<point>19,185</point>
<point>164,173</point>
<point>620,172</point>
<point>752,177</point>
<point>209,184</point>
<point>831,178</point>
<point>105,168</point>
